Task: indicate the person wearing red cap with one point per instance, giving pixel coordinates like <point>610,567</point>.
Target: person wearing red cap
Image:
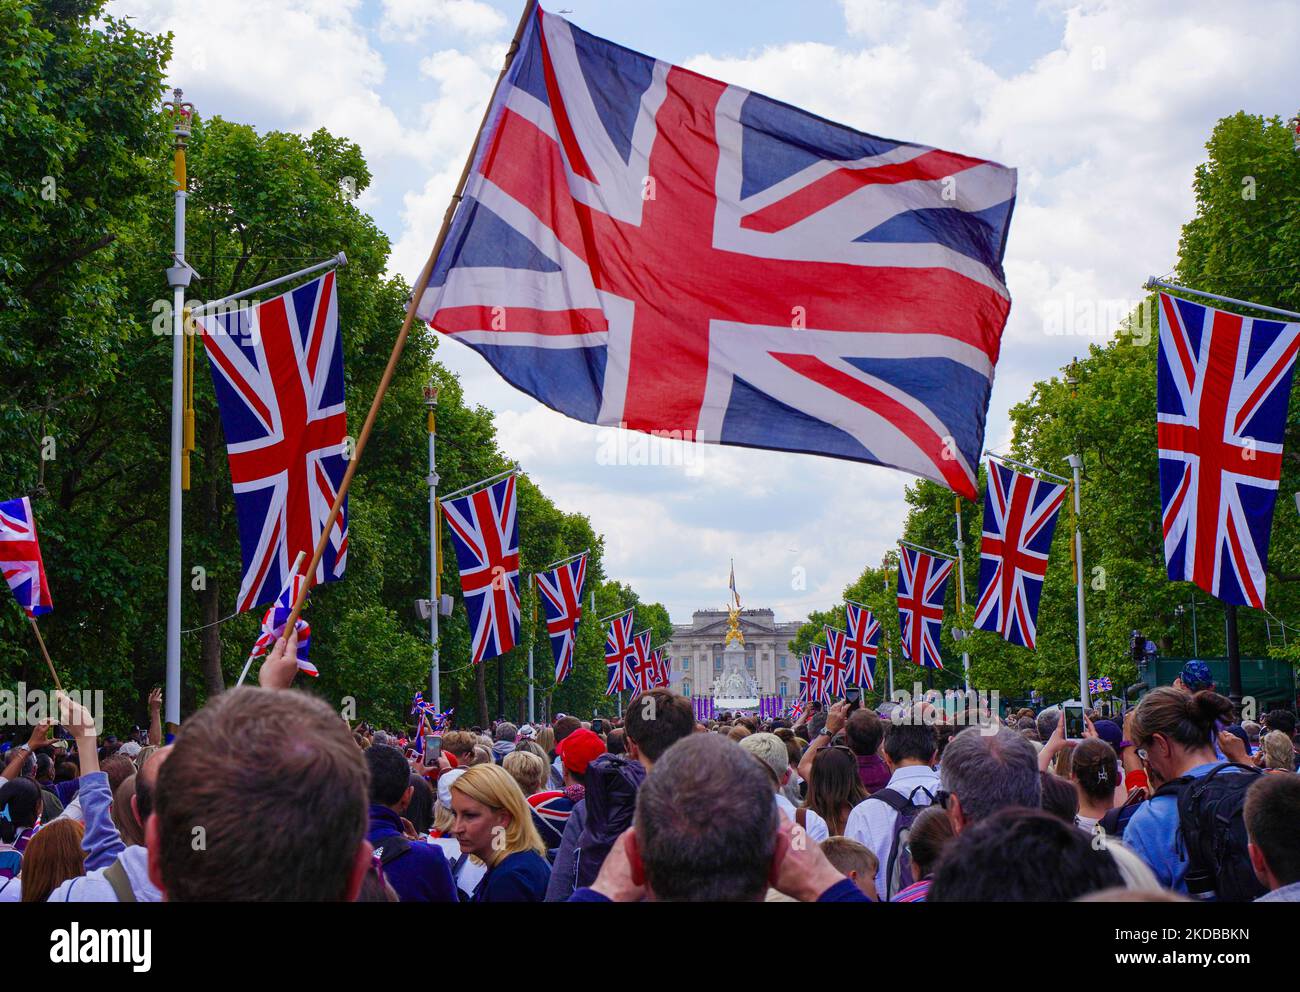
<point>575,753</point>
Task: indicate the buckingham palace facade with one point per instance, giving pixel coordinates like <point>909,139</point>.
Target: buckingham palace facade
<point>696,652</point>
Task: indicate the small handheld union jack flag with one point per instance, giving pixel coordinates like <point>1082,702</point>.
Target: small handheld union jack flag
<point>273,621</point>
<point>1102,684</point>
<point>20,557</point>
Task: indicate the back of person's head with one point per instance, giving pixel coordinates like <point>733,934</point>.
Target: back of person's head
<point>505,731</point>
<point>863,732</point>
<point>123,815</point>
<point>44,768</point>
<point>390,775</point>
<point>1283,720</point>
<point>1252,730</point>
<point>927,838</point>
<point>53,856</point>
<point>785,733</point>
<point>287,827</point>
<point>20,807</point>
<point>1278,750</point>
<point>656,720</point>
<point>564,726</point>
<point>834,786</point>
<point>737,733</point>
<point>1021,855</point>
<point>546,741</point>
<point>852,859</point>
<point>771,753</point>
<point>1059,797</point>
<point>460,743</point>
<point>481,755</point>
<point>118,768</point>
<point>532,747</point>
<point>1271,814</point>
<point>614,742</point>
<point>1093,767</point>
<point>493,787</point>
<point>1188,720</point>
<point>528,771</point>
<point>65,771</point>
<point>1045,722</point>
<point>989,772</point>
<point>910,741</point>
<point>146,781</point>
<point>706,824</point>
<point>420,809</point>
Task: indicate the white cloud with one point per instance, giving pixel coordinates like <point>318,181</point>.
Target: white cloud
<point>410,20</point>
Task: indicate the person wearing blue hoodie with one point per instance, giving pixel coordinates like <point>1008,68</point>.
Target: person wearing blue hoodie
<point>417,871</point>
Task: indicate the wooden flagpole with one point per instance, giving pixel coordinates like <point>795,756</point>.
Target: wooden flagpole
<point>44,653</point>
<point>400,344</point>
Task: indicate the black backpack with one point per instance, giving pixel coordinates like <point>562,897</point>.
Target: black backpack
<point>1212,828</point>
<point>898,869</point>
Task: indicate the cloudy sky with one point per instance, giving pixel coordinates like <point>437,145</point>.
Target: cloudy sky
<point>1104,107</point>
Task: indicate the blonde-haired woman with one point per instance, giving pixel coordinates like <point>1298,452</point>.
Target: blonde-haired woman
<point>494,823</point>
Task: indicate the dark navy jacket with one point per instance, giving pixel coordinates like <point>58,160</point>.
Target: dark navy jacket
<point>844,891</point>
<point>518,877</point>
<point>419,875</point>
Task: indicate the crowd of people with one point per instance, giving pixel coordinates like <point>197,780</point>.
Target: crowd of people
<point>266,794</point>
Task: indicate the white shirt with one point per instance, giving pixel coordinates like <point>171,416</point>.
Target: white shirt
<point>872,823</point>
<point>471,872</point>
<point>816,826</point>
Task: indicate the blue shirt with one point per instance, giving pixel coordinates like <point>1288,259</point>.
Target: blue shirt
<point>420,874</point>
<point>1154,836</point>
<point>519,877</point>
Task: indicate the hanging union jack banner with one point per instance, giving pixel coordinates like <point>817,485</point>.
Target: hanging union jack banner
<point>1020,514</point>
<point>1223,386</point>
<point>821,674</point>
<point>836,664</point>
<point>561,592</point>
<point>640,677</point>
<point>277,368</point>
<point>485,531</point>
<point>922,582</point>
<point>861,644</point>
<point>20,557</point>
<point>620,649</point>
<point>642,246</point>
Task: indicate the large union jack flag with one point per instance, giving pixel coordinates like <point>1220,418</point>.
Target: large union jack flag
<point>1020,514</point>
<point>561,592</point>
<point>642,667</point>
<point>642,246</point>
<point>922,583</point>
<point>1222,395</point>
<point>485,530</point>
<point>861,644</point>
<point>20,557</point>
<point>620,649</point>
<point>277,368</point>
<point>820,675</point>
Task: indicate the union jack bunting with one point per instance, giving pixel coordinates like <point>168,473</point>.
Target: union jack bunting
<point>620,648</point>
<point>561,593</point>
<point>836,664</point>
<point>922,582</point>
<point>633,234</point>
<point>20,557</point>
<point>641,672</point>
<point>485,530</point>
<point>1102,684</point>
<point>1020,514</point>
<point>861,644</point>
<point>273,621</point>
<point>1222,391</point>
<point>805,678</point>
<point>277,369</point>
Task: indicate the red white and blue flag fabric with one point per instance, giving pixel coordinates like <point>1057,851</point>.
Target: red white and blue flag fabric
<point>837,665</point>
<point>820,674</point>
<point>861,644</point>
<point>922,582</point>
<point>561,593</point>
<point>660,676</point>
<point>620,649</point>
<point>641,672</point>
<point>642,246</point>
<point>1223,387</point>
<point>485,530</point>
<point>1020,513</point>
<point>273,621</point>
<point>805,678</point>
<point>1102,684</point>
<point>277,369</point>
<point>20,557</point>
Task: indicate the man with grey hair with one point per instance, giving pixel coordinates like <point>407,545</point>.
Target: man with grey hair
<point>1045,722</point>
<point>504,740</point>
<point>706,831</point>
<point>771,751</point>
<point>982,773</point>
